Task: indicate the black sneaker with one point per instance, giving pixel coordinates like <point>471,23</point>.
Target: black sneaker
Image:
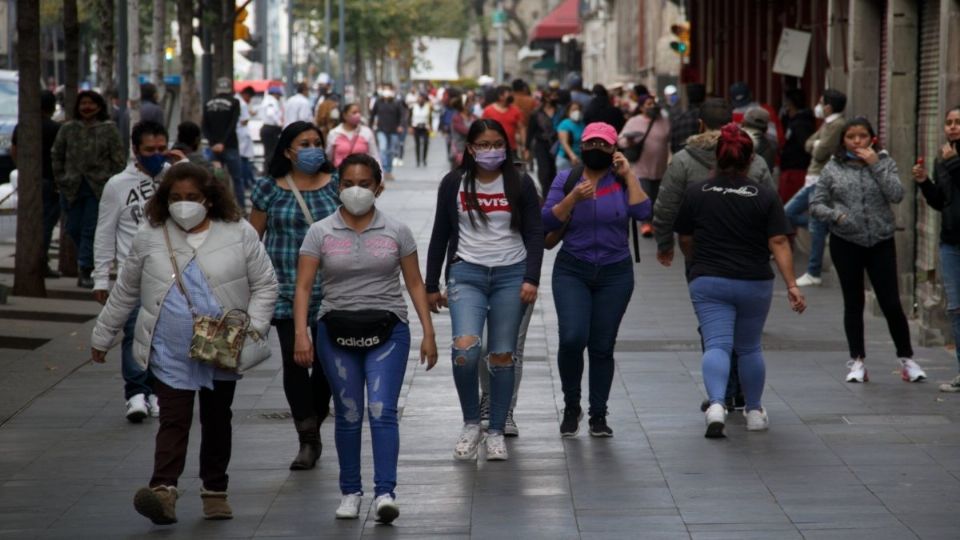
<point>570,425</point>
<point>599,427</point>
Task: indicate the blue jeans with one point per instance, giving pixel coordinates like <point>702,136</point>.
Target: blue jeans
<point>950,266</point>
<point>230,157</point>
<point>732,313</point>
<point>591,300</point>
<point>380,371</point>
<point>136,379</point>
<point>476,295</point>
<point>796,210</point>
<point>388,143</point>
<point>82,223</point>
<point>246,166</point>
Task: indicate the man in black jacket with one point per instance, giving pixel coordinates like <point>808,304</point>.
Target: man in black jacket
<point>387,119</point>
<point>220,116</point>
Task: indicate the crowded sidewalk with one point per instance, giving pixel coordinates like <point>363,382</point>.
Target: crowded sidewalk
<point>844,461</point>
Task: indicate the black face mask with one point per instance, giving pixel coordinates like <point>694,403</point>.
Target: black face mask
<point>597,159</point>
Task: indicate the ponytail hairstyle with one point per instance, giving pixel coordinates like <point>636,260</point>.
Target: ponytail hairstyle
<point>512,181</point>
<point>734,151</point>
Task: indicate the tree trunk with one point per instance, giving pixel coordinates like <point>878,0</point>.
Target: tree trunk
<point>189,92</point>
<point>484,39</point>
<point>158,44</point>
<point>71,38</point>
<point>360,75</point>
<point>29,259</point>
<point>227,15</point>
<point>133,61</point>
<point>104,15</point>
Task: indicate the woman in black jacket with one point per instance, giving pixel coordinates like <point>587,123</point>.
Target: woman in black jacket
<point>601,109</point>
<point>943,194</point>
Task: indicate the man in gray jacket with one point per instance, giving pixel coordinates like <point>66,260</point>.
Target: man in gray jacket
<point>697,161</point>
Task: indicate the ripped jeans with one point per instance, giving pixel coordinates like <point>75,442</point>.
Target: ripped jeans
<point>380,371</point>
<point>477,294</point>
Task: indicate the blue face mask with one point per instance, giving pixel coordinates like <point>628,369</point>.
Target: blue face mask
<point>309,160</point>
<point>153,165</point>
<point>851,155</point>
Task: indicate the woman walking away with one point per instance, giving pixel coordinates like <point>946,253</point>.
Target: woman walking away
<point>350,137</point>
<point>593,274</point>
<point>362,332</point>
<point>86,153</point>
<point>488,230</point>
<point>728,227</point>
<point>941,194</point>
<point>194,258</point>
<point>853,196</point>
<point>299,173</point>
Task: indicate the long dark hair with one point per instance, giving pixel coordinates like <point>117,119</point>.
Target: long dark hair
<point>104,113</point>
<point>861,121</point>
<point>220,205</point>
<point>280,164</point>
<point>512,181</point>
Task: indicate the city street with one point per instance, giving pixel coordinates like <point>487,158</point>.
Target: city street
<point>840,461</point>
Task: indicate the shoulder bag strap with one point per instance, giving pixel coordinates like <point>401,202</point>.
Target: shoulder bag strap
<point>647,133</point>
<point>353,142</point>
<point>299,197</point>
<point>176,267</point>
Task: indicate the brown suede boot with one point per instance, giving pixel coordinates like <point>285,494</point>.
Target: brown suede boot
<point>308,430</point>
<point>215,505</point>
<point>159,504</point>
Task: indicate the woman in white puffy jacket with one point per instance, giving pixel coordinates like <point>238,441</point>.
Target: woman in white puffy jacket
<point>222,266</point>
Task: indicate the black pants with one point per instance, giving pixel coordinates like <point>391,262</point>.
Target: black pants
<point>880,263</point>
<point>270,135</point>
<point>307,390</point>
<point>421,136</point>
<point>216,433</point>
<point>652,188</point>
<point>546,166</point>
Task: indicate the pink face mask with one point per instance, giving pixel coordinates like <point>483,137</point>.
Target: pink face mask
<point>353,119</point>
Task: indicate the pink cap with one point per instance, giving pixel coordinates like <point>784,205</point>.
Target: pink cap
<point>600,130</point>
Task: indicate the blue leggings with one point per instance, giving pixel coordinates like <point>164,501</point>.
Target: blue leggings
<point>732,313</point>
<point>380,371</point>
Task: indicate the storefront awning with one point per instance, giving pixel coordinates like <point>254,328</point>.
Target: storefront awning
<point>563,20</point>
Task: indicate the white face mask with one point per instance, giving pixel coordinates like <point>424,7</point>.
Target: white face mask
<point>334,114</point>
<point>357,200</point>
<point>387,94</point>
<point>576,116</point>
<point>188,214</point>
<point>818,111</point>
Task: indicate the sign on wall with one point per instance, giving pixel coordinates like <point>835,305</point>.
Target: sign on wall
<point>792,53</point>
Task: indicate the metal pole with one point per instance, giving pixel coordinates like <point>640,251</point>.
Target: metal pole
<point>327,67</point>
<point>290,81</point>
<point>123,70</point>
<point>499,46</point>
<point>342,54</point>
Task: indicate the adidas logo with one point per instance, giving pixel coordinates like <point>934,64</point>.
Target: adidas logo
<point>358,342</point>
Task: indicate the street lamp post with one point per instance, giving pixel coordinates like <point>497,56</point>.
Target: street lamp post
<point>341,53</point>
<point>499,21</point>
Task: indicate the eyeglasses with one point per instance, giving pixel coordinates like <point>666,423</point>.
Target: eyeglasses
<point>597,144</point>
<point>483,146</point>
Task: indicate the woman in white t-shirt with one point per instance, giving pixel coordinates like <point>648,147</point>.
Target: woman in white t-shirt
<point>489,232</point>
<point>420,121</point>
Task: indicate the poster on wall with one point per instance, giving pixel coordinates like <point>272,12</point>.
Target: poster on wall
<point>792,53</point>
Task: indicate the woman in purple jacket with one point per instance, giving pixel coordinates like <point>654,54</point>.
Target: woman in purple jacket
<point>593,273</point>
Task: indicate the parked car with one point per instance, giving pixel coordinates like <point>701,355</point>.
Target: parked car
<point>8,120</point>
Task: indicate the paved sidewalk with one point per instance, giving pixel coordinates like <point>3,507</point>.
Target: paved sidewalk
<point>873,461</point>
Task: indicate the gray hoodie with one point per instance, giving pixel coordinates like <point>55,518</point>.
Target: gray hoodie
<point>695,162</point>
<point>863,194</point>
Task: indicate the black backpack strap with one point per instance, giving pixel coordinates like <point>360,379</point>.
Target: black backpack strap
<point>636,240</point>
<point>572,179</point>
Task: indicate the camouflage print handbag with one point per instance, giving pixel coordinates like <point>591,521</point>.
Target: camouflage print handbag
<point>216,340</point>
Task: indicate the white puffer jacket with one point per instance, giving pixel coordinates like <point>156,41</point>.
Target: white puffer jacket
<point>232,258</point>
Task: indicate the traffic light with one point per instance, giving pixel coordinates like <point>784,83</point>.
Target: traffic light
<point>255,54</point>
<point>240,31</point>
<point>682,42</point>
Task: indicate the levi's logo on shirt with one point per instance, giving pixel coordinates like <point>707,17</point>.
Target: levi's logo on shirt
<point>488,203</point>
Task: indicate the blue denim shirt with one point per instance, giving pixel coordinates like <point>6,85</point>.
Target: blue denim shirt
<point>169,355</point>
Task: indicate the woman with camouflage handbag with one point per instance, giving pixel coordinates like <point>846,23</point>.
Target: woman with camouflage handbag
<point>197,265</point>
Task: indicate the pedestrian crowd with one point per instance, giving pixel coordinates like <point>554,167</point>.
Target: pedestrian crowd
<point>204,271</point>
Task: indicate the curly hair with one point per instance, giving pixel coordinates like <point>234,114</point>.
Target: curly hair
<point>220,204</point>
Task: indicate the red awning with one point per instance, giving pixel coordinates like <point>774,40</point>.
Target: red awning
<point>563,20</point>
<point>259,86</point>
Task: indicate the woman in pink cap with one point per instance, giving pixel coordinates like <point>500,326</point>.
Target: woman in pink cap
<point>590,207</point>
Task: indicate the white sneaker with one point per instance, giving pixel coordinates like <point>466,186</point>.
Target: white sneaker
<point>510,429</point>
<point>910,371</point>
<point>385,509</point>
<point>806,280</point>
<point>757,420</point>
<point>858,372</point>
<point>715,417</point>
<point>153,403</point>
<point>952,386</point>
<point>137,408</point>
<point>467,444</point>
<point>349,506</point>
<point>496,447</point>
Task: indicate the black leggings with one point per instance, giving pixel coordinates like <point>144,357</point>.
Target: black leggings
<point>880,263</point>
<point>421,137</point>
<point>308,392</point>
